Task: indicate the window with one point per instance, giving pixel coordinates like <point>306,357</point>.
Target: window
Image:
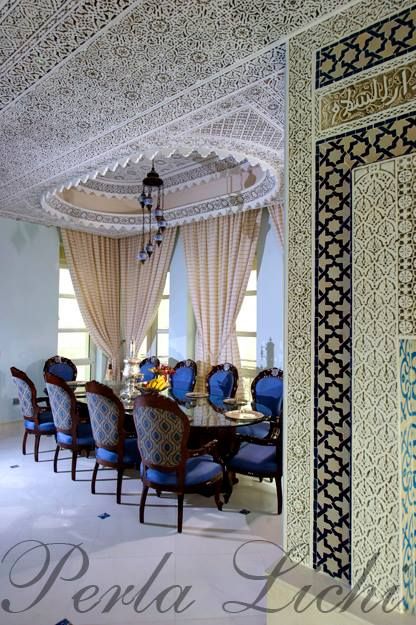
<point>73,339</point>
<point>246,325</point>
<point>157,340</point>
<point>162,324</point>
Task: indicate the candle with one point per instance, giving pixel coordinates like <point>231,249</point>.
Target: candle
<point>132,348</point>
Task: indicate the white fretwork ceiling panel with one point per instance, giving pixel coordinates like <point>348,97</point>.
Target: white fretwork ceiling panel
<point>87,85</point>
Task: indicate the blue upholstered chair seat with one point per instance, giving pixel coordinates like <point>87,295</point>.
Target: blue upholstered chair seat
<point>46,423</point>
<point>257,430</point>
<point>131,453</point>
<point>252,458</point>
<point>198,470</point>
<point>84,436</point>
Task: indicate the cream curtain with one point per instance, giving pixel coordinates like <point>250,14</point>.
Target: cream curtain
<point>142,285</point>
<point>277,216</point>
<point>94,264</point>
<point>219,257</point>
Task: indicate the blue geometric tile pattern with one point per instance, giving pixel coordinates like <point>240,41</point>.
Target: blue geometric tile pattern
<point>335,160</point>
<point>61,406</point>
<point>388,39</point>
<point>104,420</point>
<point>25,397</point>
<point>408,462</point>
<point>159,436</point>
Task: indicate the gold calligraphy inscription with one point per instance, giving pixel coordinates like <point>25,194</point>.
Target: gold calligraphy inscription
<point>368,96</point>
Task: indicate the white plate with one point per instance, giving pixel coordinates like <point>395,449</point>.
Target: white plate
<point>241,415</point>
<point>197,395</point>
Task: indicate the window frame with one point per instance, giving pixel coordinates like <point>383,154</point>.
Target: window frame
<point>246,371</point>
<point>92,350</point>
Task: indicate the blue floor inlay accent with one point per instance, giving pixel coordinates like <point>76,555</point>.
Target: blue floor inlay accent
<point>104,515</point>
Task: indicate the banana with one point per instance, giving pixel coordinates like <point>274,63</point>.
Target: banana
<point>157,384</point>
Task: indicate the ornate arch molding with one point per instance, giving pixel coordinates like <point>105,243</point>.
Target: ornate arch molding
<point>256,196</point>
<point>166,152</point>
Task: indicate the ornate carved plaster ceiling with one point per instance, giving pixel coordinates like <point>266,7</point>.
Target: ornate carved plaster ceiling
<point>198,188</point>
<point>87,85</point>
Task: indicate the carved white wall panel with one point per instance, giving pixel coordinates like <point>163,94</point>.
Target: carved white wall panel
<point>375,416</point>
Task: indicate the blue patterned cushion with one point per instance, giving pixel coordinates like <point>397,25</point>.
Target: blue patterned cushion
<point>104,420</point>
<point>130,456</point>
<point>46,423</point>
<point>62,370</point>
<point>221,383</point>
<point>84,436</point>
<point>252,458</point>
<point>182,379</point>
<point>60,402</point>
<point>198,470</point>
<point>25,397</point>
<point>159,433</point>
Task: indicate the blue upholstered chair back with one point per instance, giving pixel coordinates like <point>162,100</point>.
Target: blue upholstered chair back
<point>221,382</point>
<point>62,370</point>
<point>160,436</point>
<point>60,401</point>
<point>268,391</point>
<point>61,367</point>
<point>104,420</point>
<point>24,392</point>
<point>146,365</point>
<point>183,380</point>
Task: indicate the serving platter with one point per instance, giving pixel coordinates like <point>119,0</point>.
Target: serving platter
<point>244,415</point>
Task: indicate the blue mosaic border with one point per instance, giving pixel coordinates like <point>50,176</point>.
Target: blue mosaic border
<point>388,31</point>
<point>332,491</point>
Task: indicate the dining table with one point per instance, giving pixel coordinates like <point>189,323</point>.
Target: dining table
<point>210,417</point>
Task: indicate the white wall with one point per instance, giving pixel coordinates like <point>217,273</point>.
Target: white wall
<point>29,262</point>
<point>270,296</point>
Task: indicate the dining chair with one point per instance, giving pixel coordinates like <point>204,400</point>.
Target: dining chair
<point>261,458</point>
<point>37,419</point>
<point>222,381</point>
<point>62,367</point>
<point>112,449</point>
<point>267,392</point>
<point>167,463</point>
<point>146,365</point>
<point>71,433</point>
<point>184,377</point>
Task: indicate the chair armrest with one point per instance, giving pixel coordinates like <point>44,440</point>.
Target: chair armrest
<point>210,448</point>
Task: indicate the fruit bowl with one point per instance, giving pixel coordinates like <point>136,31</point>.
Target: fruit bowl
<point>157,385</point>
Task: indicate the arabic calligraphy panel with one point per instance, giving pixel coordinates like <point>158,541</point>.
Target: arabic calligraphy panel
<point>369,96</point>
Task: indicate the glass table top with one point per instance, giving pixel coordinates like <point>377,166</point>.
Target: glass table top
<point>208,412</point>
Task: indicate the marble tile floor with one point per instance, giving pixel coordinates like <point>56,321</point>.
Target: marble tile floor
<point>115,571</point>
